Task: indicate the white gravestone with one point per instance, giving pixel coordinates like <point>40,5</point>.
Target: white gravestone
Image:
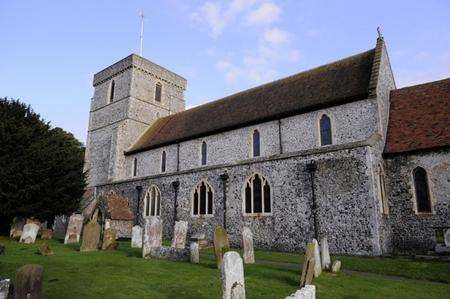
<point>325,254</point>
<point>194,252</point>
<point>4,288</point>
<point>307,292</point>
<point>232,268</point>
<point>317,265</point>
<point>179,234</point>
<point>447,237</point>
<point>247,240</point>
<point>136,237</point>
<point>152,235</point>
<point>29,233</point>
<point>74,228</point>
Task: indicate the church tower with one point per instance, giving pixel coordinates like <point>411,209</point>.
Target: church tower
<point>128,97</point>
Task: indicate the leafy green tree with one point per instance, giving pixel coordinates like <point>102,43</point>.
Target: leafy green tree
<point>41,168</point>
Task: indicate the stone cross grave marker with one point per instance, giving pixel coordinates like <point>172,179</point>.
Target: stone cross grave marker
<point>232,269</point>
<point>317,266</point>
<point>29,233</point>
<point>152,235</point>
<point>74,227</point>
<point>308,266</point>
<point>179,234</point>
<point>221,244</point>
<point>28,282</point>
<point>247,242</point>
<point>91,237</point>
<point>194,253</point>
<point>325,254</point>
<point>136,237</point>
<point>109,239</point>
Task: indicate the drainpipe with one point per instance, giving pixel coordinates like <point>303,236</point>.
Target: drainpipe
<point>138,208</point>
<point>175,186</point>
<point>311,167</point>
<point>224,178</point>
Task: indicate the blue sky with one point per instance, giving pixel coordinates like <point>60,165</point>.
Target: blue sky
<point>51,49</point>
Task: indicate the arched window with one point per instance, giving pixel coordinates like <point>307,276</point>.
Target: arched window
<point>422,190</point>
<point>204,153</point>
<point>325,130</point>
<point>256,144</point>
<point>163,161</point>
<point>203,200</point>
<point>384,206</point>
<point>257,195</point>
<point>134,166</point>
<point>111,91</point>
<point>152,202</point>
<point>158,89</point>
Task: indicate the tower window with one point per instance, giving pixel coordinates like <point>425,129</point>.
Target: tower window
<point>111,91</point>
<point>134,166</point>
<point>163,161</point>
<point>422,190</point>
<point>256,144</point>
<point>158,89</point>
<point>325,130</point>
<point>204,153</point>
<point>257,195</point>
<point>152,202</point>
<point>202,200</point>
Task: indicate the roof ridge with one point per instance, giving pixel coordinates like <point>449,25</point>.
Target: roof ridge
<point>421,84</point>
<point>373,83</point>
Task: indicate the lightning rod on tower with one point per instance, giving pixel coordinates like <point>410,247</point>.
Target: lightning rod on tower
<point>141,15</point>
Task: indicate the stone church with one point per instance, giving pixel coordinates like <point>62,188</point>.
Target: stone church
<point>335,151</point>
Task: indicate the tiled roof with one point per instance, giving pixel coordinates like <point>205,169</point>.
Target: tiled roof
<point>419,117</point>
<point>335,83</point>
<point>117,207</point>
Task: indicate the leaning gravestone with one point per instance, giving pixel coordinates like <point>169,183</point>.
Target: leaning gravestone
<point>317,266</point>
<point>232,270</point>
<point>325,254</point>
<point>194,253</point>
<point>46,234</point>
<point>447,237</point>
<point>109,239</point>
<point>221,244</point>
<point>91,237</point>
<point>60,227</point>
<point>74,229</point>
<point>307,292</point>
<point>29,233</point>
<point>28,282</point>
<point>17,227</point>
<point>152,235</point>
<point>179,234</point>
<point>4,288</point>
<point>247,240</point>
<point>136,237</point>
<point>308,266</point>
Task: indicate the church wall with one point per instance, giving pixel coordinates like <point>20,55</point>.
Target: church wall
<point>122,83</point>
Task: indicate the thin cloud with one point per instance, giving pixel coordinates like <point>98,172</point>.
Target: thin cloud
<point>266,13</point>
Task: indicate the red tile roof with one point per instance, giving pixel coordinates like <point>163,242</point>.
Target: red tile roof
<point>118,208</point>
<point>419,117</point>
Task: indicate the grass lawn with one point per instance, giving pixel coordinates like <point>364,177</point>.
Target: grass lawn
<point>123,274</point>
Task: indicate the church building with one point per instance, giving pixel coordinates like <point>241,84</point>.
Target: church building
<point>336,151</point>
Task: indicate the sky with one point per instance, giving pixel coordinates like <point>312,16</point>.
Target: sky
<point>50,50</point>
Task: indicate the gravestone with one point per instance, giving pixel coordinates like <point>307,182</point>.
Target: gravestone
<point>45,250</point>
<point>169,253</point>
<point>179,234</point>
<point>4,288</point>
<point>194,253</point>
<point>60,227</point>
<point>136,237</point>
<point>232,270</point>
<point>325,254</point>
<point>447,237</point>
<point>29,233</point>
<point>28,282</point>
<point>46,234</point>
<point>221,244</point>
<point>247,240</point>
<point>91,237</point>
<point>336,267</point>
<point>317,266</point>
<point>152,235</point>
<point>307,292</point>
<point>74,229</point>
<point>17,227</point>
<point>200,238</point>
<point>308,266</point>
<point>109,239</point>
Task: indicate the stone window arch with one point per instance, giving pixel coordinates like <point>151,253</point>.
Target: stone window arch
<point>112,87</point>
<point>152,202</point>
<point>135,166</point>
<point>204,153</point>
<point>163,161</point>
<point>257,195</point>
<point>325,130</point>
<point>158,92</point>
<point>202,199</point>
<point>422,190</point>
<point>256,144</point>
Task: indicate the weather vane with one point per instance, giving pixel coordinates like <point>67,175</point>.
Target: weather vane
<point>379,32</point>
<point>141,15</point>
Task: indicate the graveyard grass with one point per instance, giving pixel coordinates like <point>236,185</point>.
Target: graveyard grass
<point>123,273</point>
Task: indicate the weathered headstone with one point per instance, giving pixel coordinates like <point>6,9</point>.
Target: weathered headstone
<point>109,239</point>
<point>91,237</point>
<point>45,250</point>
<point>107,223</point>
<point>17,227</point>
<point>46,234</point>
<point>4,288</point>
<point>136,237</point>
<point>308,266</point>
<point>307,292</point>
<point>28,282</point>
<point>152,235</point>
<point>247,242</point>
<point>60,227</point>
<point>325,254</point>
<point>447,237</point>
<point>221,244</point>
<point>200,238</point>
<point>232,269</point>
<point>179,234</point>
<point>317,266</point>
<point>169,253</point>
<point>336,266</point>
<point>74,229</point>
<point>194,253</point>
<point>29,233</point>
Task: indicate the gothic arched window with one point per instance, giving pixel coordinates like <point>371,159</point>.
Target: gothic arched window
<point>152,202</point>
<point>111,91</point>
<point>256,144</point>
<point>163,161</point>
<point>325,130</point>
<point>257,195</point>
<point>204,153</point>
<point>203,199</point>
<point>134,166</point>
<point>158,89</point>
<point>422,190</point>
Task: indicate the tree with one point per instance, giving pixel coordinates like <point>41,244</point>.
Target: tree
<point>41,168</point>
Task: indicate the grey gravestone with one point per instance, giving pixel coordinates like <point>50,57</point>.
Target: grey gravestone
<point>17,227</point>
<point>136,237</point>
<point>152,235</point>
<point>60,227</point>
<point>74,229</point>
<point>336,267</point>
<point>447,237</point>
<point>169,253</point>
<point>46,234</point>
<point>307,292</point>
<point>221,244</point>
<point>91,237</point>
<point>179,234</point>
<point>109,239</point>
<point>247,240</point>
<point>317,266</point>
<point>28,282</point>
<point>29,233</point>
<point>325,254</point>
<point>194,253</point>
<point>308,266</point>
<point>4,288</point>
<point>232,269</point>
